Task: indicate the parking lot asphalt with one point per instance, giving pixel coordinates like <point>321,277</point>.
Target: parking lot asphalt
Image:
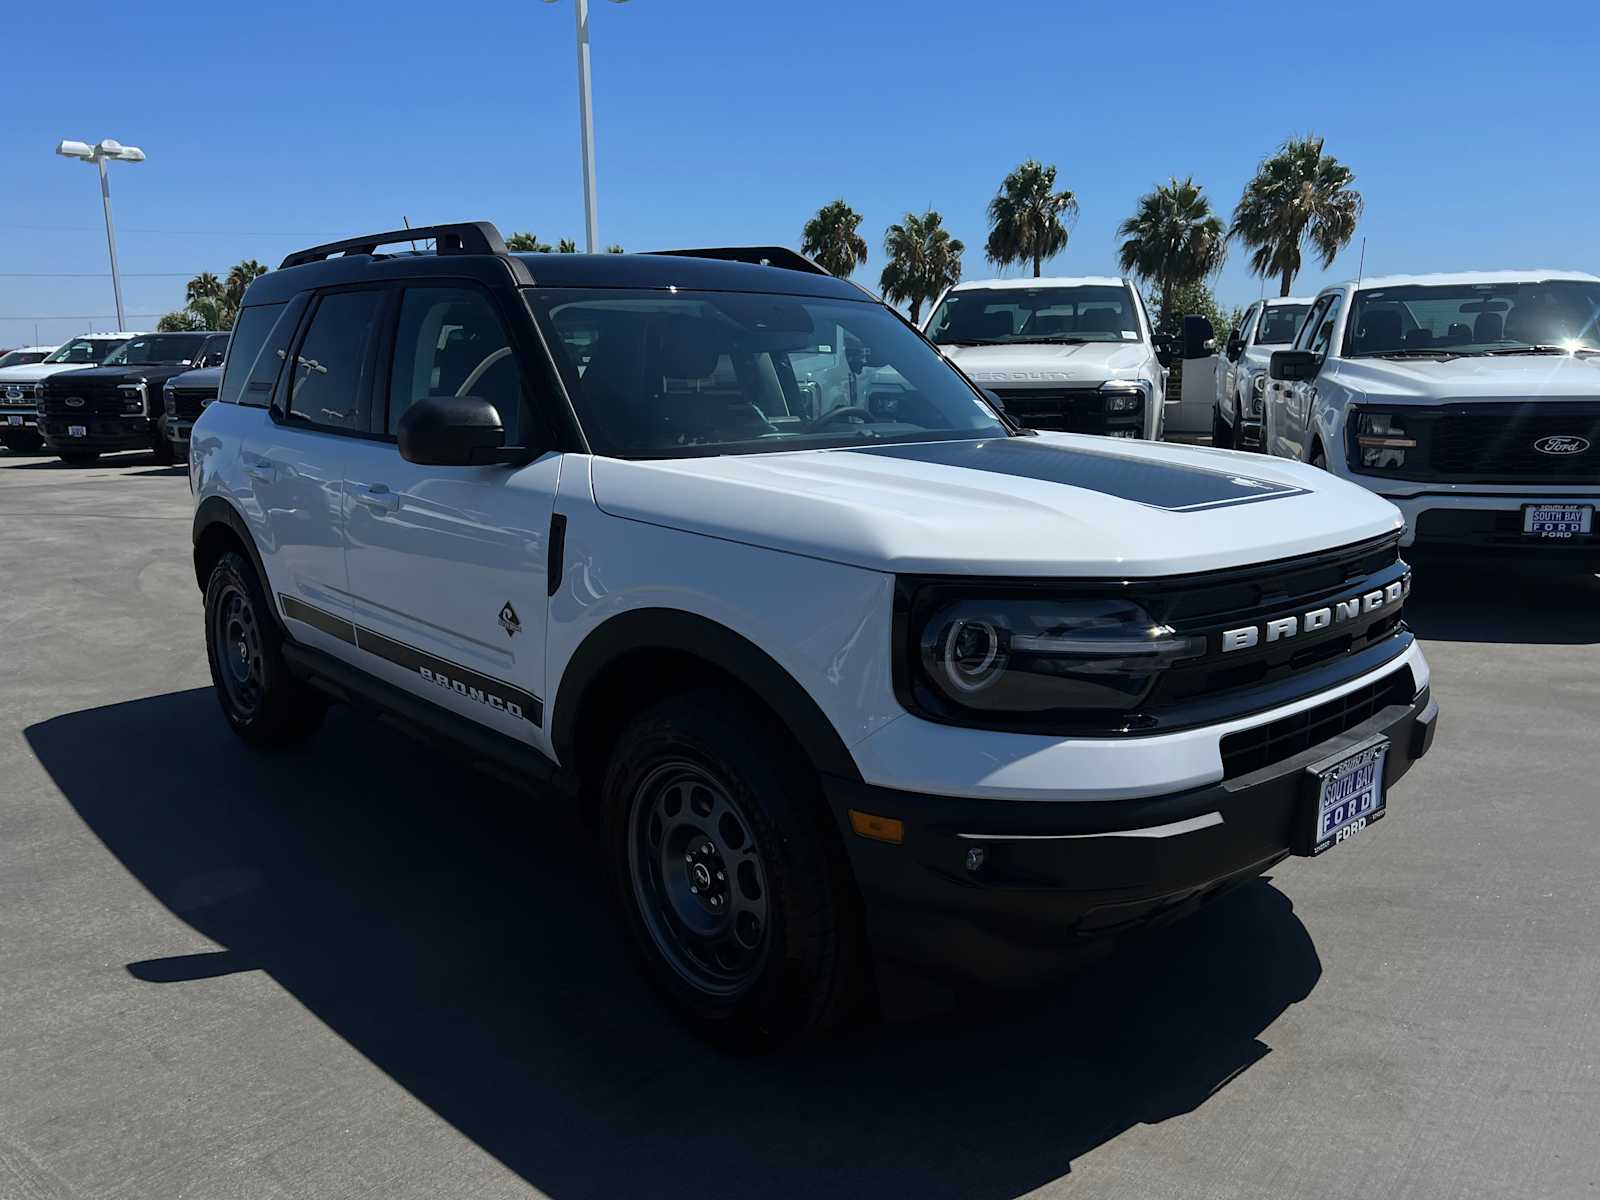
<point>363,970</point>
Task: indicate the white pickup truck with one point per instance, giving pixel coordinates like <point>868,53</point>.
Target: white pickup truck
<point>1075,355</point>
<point>1471,401</point>
<point>1267,325</point>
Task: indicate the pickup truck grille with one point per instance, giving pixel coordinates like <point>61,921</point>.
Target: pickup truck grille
<point>187,402</point>
<point>1066,410</point>
<point>99,398</point>
<point>1502,443</point>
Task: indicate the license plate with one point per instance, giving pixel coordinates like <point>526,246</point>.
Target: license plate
<point>1349,796</point>
<point>1557,520</point>
<point>14,419</point>
<point>77,431</point>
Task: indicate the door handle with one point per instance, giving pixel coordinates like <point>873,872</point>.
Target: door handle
<point>377,496</point>
<point>262,469</point>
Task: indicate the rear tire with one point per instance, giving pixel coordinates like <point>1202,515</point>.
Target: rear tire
<point>263,703</point>
<point>730,875</point>
<point>1221,431</point>
<point>162,448</point>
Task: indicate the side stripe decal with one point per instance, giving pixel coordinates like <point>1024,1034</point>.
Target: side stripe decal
<point>463,681</point>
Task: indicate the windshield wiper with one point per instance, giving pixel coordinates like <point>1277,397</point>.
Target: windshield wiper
<point>1539,349</point>
<point>1414,353</point>
<point>974,342</point>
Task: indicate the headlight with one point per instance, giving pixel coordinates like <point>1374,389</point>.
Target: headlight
<point>1258,392</point>
<point>169,401</point>
<point>132,398</point>
<point>1124,395</point>
<point>1381,441</point>
<point>1023,661</point>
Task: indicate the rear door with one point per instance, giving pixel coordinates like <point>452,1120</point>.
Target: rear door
<point>294,463</point>
<point>447,565</point>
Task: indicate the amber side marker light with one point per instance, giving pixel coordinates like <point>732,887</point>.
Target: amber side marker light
<point>879,829</point>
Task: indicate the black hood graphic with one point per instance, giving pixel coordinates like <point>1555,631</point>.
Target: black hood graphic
<point>1171,487</point>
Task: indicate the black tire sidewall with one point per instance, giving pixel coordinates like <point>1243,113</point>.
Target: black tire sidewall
<point>811,918</point>
<point>288,710</point>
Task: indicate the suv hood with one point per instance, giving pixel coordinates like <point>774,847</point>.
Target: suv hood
<point>1050,505</point>
<point>1514,377</point>
<point>1029,364</point>
<point>152,372</point>
<point>199,377</point>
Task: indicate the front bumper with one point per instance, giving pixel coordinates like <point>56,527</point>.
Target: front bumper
<point>1489,525</point>
<point>1064,874</point>
<point>100,433</point>
<point>178,431</point>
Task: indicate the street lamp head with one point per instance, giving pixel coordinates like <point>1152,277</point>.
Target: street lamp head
<point>108,148</point>
<point>131,154</point>
<point>74,150</point>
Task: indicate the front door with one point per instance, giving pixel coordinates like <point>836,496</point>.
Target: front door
<point>447,565</point>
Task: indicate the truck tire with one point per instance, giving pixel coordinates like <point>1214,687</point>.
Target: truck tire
<point>162,448</point>
<point>79,458</point>
<point>263,703</point>
<point>1221,431</point>
<point>729,874</point>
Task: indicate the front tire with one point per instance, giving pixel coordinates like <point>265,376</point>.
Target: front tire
<point>730,876</point>
<point>1221,431</point>
<point>263,703</point>
<point>1319,458</point>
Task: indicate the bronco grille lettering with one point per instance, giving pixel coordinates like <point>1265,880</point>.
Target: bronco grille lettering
<point>1280,628</point>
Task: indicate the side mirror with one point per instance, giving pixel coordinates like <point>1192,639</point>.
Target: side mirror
<point>994,400</point>
<point>1235,346</point>
<point>1294,364</point>
<point>1197,331</point>
<point>453,431</point>
<point>1165,345</point>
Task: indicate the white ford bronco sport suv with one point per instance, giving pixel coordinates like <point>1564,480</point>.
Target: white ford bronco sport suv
<point>1267,326</point>
<point>1075,355</point>
<point>1470,401</point>
<point>898,681</point>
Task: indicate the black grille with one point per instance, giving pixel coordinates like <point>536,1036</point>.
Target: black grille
<point>1252,749</point>
<point>1066,410</point>
<point>100,397</point>
<point>187,402</point>
<point>1503,443</point>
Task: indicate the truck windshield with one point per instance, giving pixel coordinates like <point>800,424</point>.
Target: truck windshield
<point>91,351</point>
<point>1475,318</point>
<point>172,349</point>
<point>685,374</point>
<point>1072,313</point>
<point>1280,323</point>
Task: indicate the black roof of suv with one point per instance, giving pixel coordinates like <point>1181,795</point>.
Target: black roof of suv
<point>476,250</point>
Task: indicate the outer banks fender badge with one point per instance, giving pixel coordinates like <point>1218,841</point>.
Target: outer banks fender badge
<point>509,621</point>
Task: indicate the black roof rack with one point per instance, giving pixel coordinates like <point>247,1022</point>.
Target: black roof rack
<point>464,237</point>
<point>761,256</point>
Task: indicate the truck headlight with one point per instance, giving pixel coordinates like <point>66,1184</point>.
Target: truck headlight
<point>1382,441</point>
<point>1258,394</point>
<point>1124,395</point>
<point>132,398</point>
<point>981,660</point>
<point>169,401</point>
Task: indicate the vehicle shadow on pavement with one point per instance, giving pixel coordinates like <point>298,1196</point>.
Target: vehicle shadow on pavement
<point>452,931</point>
<point>1455,603</point>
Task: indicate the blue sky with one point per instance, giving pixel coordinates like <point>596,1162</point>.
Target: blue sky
<point>1470,127</point>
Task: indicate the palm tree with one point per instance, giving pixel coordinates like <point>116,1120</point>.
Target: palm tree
<point>1299,195</point>
<point>566,246</point>
<point>202,285</point>
<point>213,312</point>
<point>1026,217</point>
<point>1173,239</point>
<point>831,239</point>
<point>528,243</point>
<point>239,278</point>
<point>923,260</point>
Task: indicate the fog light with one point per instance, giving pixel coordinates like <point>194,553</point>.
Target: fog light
<point>975,858</point>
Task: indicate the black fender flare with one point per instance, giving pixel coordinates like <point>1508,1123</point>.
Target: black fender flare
<point>675,630</point>
<point>214,510</point>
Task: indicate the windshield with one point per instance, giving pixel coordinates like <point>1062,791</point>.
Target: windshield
<point>172,349</point>
<point>993,316</point>
<point>683,374</point>
<point>1475,318</point>
<point>1279,324</point>
<point>92,351</point>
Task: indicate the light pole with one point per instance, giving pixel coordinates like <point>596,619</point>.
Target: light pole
<point>591,220</point>
<point>98,154</point>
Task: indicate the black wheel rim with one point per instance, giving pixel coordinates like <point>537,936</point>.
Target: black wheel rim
<point>699,878</point>
<point>236,638</point>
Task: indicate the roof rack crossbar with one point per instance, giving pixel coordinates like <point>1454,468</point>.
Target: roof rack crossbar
<point>464,237</point>
<point>761,256</point>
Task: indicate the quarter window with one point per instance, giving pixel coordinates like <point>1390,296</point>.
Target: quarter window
<point>330,385</point>
<point>450,342</point>
<point>245,380</point>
